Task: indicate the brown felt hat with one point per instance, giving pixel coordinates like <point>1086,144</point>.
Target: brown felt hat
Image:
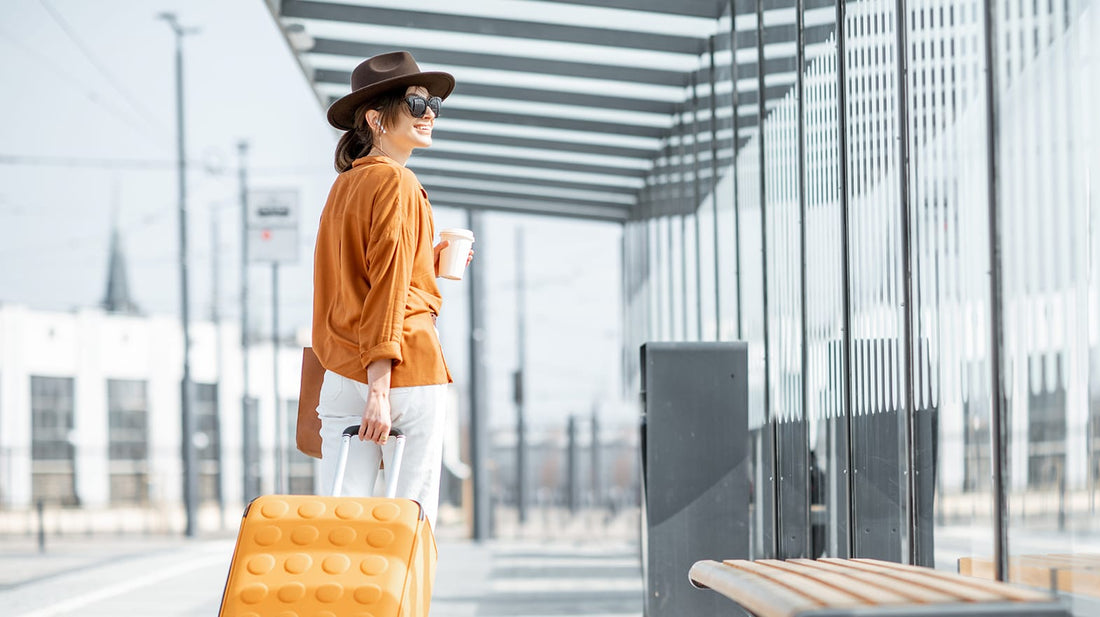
<point>385,72</point>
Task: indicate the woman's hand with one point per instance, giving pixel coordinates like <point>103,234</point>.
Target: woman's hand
<point>376,423</point>
<point>437,249</point>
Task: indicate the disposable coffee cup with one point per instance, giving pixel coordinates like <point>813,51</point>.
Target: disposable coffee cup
<point>452,260</point>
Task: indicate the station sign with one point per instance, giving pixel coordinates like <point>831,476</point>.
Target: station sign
<point>273,226</point>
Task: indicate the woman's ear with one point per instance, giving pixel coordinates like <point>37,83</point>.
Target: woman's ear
<point>374,120</point>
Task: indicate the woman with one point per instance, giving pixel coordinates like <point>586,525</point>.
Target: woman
<point>375,297</point>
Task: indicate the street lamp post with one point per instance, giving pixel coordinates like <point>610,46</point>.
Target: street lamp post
<point>190,469</point>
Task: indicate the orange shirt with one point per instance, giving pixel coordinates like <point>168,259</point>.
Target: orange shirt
<point>374,289</point>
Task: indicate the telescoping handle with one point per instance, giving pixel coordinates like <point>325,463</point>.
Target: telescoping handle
<point>392,471</point>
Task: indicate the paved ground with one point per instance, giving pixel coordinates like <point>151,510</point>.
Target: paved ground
<point>158,576</point>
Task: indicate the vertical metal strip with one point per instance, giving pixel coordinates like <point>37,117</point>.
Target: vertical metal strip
<point>901,49</point>
<point>761,111</point>
<point>846,353</point>
<point>681,130</point>
<point>800,62</point>
<point>735,143</point>
<point>714,189</point>
<point>696,199</point>
<point>996,298</point>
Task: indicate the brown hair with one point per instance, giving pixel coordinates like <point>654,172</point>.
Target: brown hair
<point>359,141</point>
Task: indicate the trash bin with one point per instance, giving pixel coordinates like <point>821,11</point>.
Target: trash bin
<point>695,469</point>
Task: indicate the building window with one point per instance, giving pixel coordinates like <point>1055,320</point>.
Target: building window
<point>1046,437</point>
<point>299,466</point>
<point>208,441</point>
<point>128,438</point>
<point>978,462</point>
<point>52,452</point>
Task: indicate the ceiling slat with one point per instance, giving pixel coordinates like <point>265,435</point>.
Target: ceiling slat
<point>559,97</point>
<point>518,195</point>
<point>458,200</point>
<point>689,8</point>
<point>449,134</point>
<point>427,170</point>
<point>477,157</point>
<point>424,20</point>
<point>500,62</point>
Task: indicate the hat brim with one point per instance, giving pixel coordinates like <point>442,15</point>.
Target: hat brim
<point>341,114</point>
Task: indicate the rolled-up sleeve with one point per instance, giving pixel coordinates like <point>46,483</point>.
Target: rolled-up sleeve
<point>389,258</point>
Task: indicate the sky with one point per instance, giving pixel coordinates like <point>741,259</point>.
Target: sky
<point>88,139</point>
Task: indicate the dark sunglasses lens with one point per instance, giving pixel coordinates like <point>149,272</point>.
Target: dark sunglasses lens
<point>433,104</point>
<point>417,105</point>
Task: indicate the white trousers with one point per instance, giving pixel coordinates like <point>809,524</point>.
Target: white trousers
<point>419,411</point>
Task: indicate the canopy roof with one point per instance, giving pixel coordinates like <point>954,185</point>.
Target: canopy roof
<point>563,107</point>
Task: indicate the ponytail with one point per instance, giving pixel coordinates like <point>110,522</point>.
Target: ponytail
<point>352,145</point>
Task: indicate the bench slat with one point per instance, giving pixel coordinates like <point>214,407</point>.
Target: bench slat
<point>1036,571</point>
<point>847,583</point>
<point>915,594</point>
<point>1085,582</point>
<point>958,589</point>
<point>826,594</point>
<point>756,594</point>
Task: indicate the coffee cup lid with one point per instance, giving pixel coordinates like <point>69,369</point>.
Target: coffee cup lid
<point>460,233</point>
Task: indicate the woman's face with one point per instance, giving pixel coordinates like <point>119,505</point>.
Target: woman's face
<point>409,132</point>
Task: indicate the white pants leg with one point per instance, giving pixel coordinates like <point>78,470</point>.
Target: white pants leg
<point>419,411</point>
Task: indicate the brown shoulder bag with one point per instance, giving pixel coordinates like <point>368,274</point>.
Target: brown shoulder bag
<point>308,436</point>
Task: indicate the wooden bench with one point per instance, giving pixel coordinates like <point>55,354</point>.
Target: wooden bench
<point>864,587</point>
<point>1070,573</point>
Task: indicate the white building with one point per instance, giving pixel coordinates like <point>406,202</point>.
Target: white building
<point>90,412</point>
<point>91,424</point>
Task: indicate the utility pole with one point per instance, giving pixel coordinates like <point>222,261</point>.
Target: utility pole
<point>280,411</point>
<point>479,434</point>
<point>190,467</point>
<point>521,429</point>
<point>249,430</point>
<point>215,316</point>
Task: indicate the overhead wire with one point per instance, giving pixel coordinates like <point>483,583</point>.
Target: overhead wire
<point>129,98</point>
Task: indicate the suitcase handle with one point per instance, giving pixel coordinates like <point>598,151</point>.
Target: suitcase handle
<point>392,472</point>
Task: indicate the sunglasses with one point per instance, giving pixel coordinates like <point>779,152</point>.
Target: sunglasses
<point>418,105</point>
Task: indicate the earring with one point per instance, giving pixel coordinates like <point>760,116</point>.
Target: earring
<point>381,128</point>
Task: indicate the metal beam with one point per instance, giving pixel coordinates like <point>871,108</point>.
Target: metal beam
<point>557,97</point>
<point>426,170</point>
<point>555,122</point>
<point>446,199</point>
<point>689,8</point>
<point>492,192</point>
<point>498,62</point>
<point>449,135</point>
<point>494,26</point>
<point>475,157</point>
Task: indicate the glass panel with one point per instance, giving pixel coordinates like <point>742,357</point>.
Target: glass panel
<point>1046,73</point>
<point>825,372</point>
<point>950,287</point>
<point>877,308</point>
<point>752,282</point>
<point>702,206</point>
<point>783,254</point>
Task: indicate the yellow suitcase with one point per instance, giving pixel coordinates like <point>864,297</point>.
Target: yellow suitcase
<point>309,556</point>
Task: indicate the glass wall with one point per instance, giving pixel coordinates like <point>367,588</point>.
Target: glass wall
<point>904,294</point>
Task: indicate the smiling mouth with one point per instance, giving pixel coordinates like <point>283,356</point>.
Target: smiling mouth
<point>424,128</point>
